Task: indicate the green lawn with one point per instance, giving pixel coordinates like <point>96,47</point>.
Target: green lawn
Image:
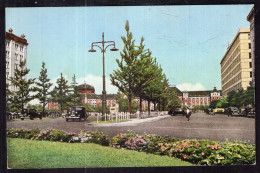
<point>24,153</point>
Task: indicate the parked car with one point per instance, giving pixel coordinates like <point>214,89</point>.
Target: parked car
<point>76,113</point>
<point>233,111</point>
<point>31,114</point>
<point>176,111</point>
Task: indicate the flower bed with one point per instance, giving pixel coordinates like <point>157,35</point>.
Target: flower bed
<point>202,152</point>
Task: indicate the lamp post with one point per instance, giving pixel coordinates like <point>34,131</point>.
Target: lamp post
<point>103,50</point>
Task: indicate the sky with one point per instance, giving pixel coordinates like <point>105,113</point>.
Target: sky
<point>187,41</point>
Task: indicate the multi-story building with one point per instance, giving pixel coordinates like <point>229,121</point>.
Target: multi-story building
<point>251,19</point>
<point>16,51</point>
<point>197,98</point>
<point>236,65</point>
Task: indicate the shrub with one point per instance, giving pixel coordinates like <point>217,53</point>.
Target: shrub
<point>91,137</point>
<point>154,140</point>
<point>54,135</point>
<point>22,133</point>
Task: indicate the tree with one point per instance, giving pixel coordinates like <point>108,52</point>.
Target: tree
<point>61,93</point>
<point>173,99</point>
<point>222,103</point>
<point>213,104</point>
<point>123,78</point>
<point>22,94</point>
<point>43,86</point>
<point>123,103</point>
<point>75,96</point>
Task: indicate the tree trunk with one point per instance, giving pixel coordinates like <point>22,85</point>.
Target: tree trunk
<point>149,111</point>
<point>129,104</point>
<point>159,104</point>
<point>154,103</point>
<point>140,107</point>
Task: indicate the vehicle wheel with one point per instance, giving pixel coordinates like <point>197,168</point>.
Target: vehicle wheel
<point>40,118</point>
<point>79,119</point>
<point>22,118</point>
<point>66,120</point>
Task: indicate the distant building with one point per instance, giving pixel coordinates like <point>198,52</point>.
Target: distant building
<point>16,51</point>
<point>251,19</point>
<point>197,98</point>
<point>236,65</point>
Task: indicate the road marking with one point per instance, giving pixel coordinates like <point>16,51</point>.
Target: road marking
<point>202,129</point>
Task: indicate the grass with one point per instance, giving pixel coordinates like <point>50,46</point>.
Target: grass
<point>24,153</point>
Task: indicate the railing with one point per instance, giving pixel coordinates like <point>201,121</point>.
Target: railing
<point>12,116</point>
<point>124,116</point>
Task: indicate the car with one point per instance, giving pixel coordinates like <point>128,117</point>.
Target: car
<point>176,111</point>
<point>210,112</point>
<point>233,111</point>
<point>31,114</point>
<point>76,113</point>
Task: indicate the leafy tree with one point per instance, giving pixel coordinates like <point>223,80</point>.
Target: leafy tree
<point>213,104</point>
<point>22,94</point>
<point>123,103</point>
<point>222,103</point>
<point>173,99</point>
<point>43,86</point>
<point>61,93</point>
<point>76,98</point>
<point>123,78</point>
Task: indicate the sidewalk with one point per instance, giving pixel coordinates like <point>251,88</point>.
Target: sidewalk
<point>131,122</point>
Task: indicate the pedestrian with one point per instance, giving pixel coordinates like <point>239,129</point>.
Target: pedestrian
<point>188,113</point>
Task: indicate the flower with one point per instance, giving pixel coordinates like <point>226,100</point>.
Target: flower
<point>176,148</point>
<point>170,155</point>
<point>208,146</point>
<point>202,153</point>
<point>184,156</point>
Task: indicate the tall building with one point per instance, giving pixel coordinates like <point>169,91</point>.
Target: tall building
<point>236,65</point>
<point>251,19</point>
<point>16,51</point>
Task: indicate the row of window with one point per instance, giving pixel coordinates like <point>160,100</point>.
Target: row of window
<point>17,47</point>
<point>232,81</point>
<point>231,74</point>
<point>234,88</point>
<point>231,50</point>
<point>230,59</point>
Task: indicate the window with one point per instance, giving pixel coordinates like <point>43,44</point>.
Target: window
<point>16,46</point>
<point>7,44</point>
<point>250,74</point>
<point>250,64</point>
<point>249,55</point>
<point>7,64</point>
<point>7,54</point>
<point>16,56</point>
<point>249,36</point>
<point>21,48</point>
<point>249,45</point>
<point>7,74</point>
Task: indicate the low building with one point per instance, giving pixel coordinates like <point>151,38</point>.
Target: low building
<point>197,98</point>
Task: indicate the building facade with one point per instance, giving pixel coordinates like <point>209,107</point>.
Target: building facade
<point>236,65</point>
<point>197,98</point>
<point>251,19</point>
<point>16,51</point>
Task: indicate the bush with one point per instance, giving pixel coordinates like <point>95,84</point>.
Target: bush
<point>22,133</point>
<point>54,135</point>
<point>154,140</point>
<point>91,137</point>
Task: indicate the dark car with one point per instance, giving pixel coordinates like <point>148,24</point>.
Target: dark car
<point>76,113</point>
<point>233,111</point>
<point>30,113</point>
<point>176,111</point>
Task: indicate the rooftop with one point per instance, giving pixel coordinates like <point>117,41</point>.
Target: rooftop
<point>10,36</point>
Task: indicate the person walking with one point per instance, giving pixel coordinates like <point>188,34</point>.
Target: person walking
<point>188,114</point>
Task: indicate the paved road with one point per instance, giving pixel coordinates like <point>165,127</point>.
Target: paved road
<point>201,126</point>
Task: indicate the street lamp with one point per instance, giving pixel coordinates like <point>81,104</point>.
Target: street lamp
<point>103,50</point>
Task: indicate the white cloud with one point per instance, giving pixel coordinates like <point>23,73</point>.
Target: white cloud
<point>190,87</point>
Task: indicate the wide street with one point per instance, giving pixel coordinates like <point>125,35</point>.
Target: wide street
<point>201,126</point>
